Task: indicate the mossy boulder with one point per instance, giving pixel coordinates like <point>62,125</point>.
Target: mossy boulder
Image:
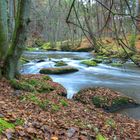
<point>32,84</point>
<point>107,61</point>
<point>97,60</point>
<point>23,60</point>
<point>60,63</point>
<point>41,60</point>
<point>22,85</point>
<point>30,49</point>
<point>89,63</point>
<point>105,98</point>
<point>62,70</point>
<point>116,64</point>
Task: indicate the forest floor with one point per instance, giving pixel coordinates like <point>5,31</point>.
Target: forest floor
<point>34,108</point>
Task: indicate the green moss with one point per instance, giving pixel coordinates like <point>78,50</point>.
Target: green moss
<point>112,105</point>
<point>55,107</point>
<point>31,49</point>
<point>97,60</point>
<point>62,70</point>
<point>102,57</point>
<point>47,78</point>
<point>19,122</point>
<point>24,60</point>
<point>132,41</point>
<point>46,46</point>
<point>100,137</point>
<point>99,101</point>
<point>5,125</point>
<point>22,85</point>
<point>89,63</point>
<point>33,85</point>
<point>63,103</point>
<point>120,101</point>
<point>136,57</point>
<point>117,64</point>
<point>33,98</point>
<point>39,42</point>
<point>60,63</point>
<point>111,123</point>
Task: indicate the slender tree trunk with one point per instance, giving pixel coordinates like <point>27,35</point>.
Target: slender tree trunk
<point>18,41</point>
<point>138,14</point>
<point>11,23</point>
<point>3,33</point>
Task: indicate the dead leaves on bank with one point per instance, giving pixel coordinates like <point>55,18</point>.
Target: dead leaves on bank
<point>59,118</point>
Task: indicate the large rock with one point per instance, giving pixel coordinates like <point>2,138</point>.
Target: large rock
<point>105,98</point>
<point>36,83</point>
<point>61,70</point>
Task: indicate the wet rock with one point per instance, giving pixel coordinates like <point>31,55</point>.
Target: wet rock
<point>39,61</point>
<point>108,61</point>
<point>62,70</point>
<point>89,63</point>
<point>117,64</point>
<point>97,60</point>
<point>105,98</point>
<point>60,63</point>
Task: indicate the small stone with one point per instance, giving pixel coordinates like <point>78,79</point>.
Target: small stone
<point>1,115</point>
<point>31,130</point>
<point>9,133</point>
<point>71,132</point>
<point>84,133</point>
<point>45,128</point>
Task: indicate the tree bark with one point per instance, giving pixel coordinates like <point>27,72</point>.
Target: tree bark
<point>138,15</point>
<point>18,41</point>
<point>3,32</point>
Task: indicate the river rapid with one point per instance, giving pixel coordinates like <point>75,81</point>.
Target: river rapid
<point>125,79</point>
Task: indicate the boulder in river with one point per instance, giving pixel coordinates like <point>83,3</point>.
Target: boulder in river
<point>89,63</point>
<point>61,70</point>
<point>105,98</point>
<point>60,63</point>
<point>41,60</point>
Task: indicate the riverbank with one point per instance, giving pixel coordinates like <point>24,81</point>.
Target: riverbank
<point>43,113</point>
<point>108,48</point>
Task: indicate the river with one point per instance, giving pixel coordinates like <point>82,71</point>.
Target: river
<point>125,79</point>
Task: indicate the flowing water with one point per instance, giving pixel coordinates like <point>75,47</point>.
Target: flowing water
<point>125,79</point>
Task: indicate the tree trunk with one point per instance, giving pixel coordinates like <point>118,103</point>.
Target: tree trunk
<point>18,41</point>
<point>11,21</point>
<point>138,15</point>
<point>3,33</point>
